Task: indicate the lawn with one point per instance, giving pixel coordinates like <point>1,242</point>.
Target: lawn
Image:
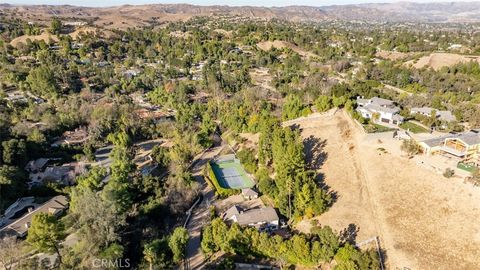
<point>376,128</point>
<point>466,167</point>
<point>413,127</point>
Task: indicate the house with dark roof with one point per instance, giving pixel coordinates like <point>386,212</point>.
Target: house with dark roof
<point>37,165</point>
<point>19,226</point>
<point>264,219</point>
<point>385,109</point>
<point>64,174</point>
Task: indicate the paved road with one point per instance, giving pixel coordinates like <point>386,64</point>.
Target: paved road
<point>201,214</point>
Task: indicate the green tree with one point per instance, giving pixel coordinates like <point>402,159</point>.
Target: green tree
<point>46,234</point>
<point>42,81</point>
<point>14,152</point>
<point>55,26</point>
<point>117,190</point>
<point>410,147</point>
<point>7,174</point>
<point>323,103</point>
<point>155,254</point>
<point>178,242</point>
<point>292,108</point>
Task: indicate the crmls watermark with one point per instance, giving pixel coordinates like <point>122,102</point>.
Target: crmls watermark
<point>106,263</point>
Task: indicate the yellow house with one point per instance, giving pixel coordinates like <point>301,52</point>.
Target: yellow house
<point>464,146</point>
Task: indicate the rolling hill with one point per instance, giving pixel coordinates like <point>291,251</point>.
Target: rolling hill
<point>139,15</point>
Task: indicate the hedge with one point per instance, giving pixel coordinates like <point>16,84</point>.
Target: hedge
<point>212,179</point>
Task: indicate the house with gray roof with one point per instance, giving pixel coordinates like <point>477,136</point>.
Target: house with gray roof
<point>249,193</point>
<point>446,116</point>
<point>264,219</point>
<point>19,226</point>
<point>463,146</point>
<point>385,109</point>
<point>36,165</point>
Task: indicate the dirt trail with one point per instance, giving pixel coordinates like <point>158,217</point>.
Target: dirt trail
<point>424,220</point>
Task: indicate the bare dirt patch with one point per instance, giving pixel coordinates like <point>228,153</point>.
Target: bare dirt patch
<point>424,220</point>
<point>251,140</point>
<point>47,37</point>
<point>278,44</point>
<point>261,77</point>
<point>391,55</point>
<point>88,30</point>
<point>439,60</point>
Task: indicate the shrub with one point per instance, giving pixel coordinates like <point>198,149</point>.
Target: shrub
<point>448,173</point>
<point>247,158</point>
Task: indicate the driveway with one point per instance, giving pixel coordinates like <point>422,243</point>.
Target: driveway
<point>201,214</point>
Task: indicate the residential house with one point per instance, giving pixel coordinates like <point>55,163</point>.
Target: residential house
<point>385,109</point>
<point>249,193</point>
<point>64,174</point>
<point>19,227</point>
<point>74,23</point>
<point>15,208</point>
<point>142,100</point>
<point>75,137</point>
<point>264,219</point>
<point>156,115</point>
<point>463,146</point>
<point>446,116</point>
<point>130,73</point>
<point>35,166</point>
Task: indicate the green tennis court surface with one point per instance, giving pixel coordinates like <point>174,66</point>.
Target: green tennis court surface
<point>230,174</point>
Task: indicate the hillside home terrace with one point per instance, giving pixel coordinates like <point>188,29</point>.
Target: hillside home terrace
<point>464,146</point>
<point>386,110</point>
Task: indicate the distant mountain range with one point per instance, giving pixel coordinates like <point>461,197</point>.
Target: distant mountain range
<point>133,15</point>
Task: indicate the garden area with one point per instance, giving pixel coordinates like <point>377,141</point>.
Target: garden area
<point>413,127</point>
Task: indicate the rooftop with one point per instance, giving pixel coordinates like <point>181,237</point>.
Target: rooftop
<point>260,215</point>
<point>249,192</point>
<point>471,137</point>
<point>381,101</point>
<point>54,206</point>
<point>442,115</point>
<point>379,108</point>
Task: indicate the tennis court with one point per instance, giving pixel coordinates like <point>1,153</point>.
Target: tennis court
<point>231,174</point>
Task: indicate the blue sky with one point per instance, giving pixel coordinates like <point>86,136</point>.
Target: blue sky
<point>97,3</point>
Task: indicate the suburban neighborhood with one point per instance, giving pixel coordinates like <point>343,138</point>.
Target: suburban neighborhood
<point>264,136</point>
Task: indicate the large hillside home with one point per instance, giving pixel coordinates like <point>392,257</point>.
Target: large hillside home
<point>385,109</point>
<point>264,219</point>
<point>446,116</point>
<point>464,146</point>
<point>18,224</point>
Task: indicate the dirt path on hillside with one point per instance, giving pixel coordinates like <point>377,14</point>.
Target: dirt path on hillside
<point>423,220</point>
